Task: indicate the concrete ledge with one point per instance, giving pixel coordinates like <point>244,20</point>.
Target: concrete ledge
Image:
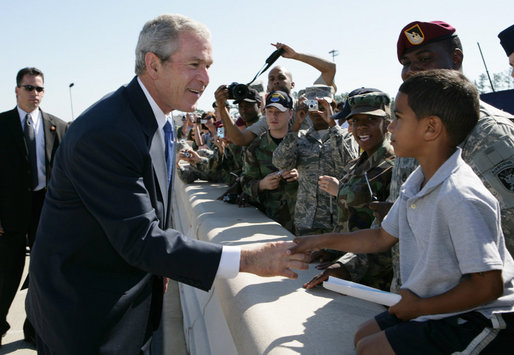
<point>250,314</point>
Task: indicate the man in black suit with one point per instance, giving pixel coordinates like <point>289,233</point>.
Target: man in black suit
<point>29,138</point>
<point>105,239</point>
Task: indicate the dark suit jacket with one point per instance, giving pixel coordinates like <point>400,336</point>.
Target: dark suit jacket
<point>15,176</point>
<point>104,235</point>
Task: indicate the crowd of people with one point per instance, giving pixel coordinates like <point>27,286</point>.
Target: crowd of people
<point>341,176</point>
<point>332,168</point>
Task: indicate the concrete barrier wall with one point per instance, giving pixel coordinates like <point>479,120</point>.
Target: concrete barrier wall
<point>249,314</point>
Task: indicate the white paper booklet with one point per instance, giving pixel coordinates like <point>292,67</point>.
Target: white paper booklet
<point>361,291</point>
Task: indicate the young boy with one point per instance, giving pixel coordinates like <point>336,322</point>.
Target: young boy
<point>458,291</point>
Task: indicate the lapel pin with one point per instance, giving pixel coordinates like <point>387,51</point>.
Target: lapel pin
<point>52,128</point>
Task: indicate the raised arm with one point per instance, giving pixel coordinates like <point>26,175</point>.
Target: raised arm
<point>326,67</point>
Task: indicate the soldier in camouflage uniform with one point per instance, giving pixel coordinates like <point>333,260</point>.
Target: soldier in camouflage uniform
<point>225,162</point>
<point>324,149</point>
<point>273,191</point>
<point>489,148</point>
<point>367,178</point>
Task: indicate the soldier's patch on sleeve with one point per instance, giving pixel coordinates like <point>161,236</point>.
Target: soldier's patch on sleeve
<point>505,173</point>
<point>495,166</point>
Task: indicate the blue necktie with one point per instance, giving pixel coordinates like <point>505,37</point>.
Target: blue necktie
<point>168,149</point>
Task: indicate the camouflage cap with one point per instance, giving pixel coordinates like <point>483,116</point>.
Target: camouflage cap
<point>418,33</point>
<point>345,111</point>
<point>375,103</point>
<point>319,91</point>
<point>507,39</point>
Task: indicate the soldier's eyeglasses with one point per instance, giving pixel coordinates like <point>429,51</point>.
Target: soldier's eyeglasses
<point>29,88</point>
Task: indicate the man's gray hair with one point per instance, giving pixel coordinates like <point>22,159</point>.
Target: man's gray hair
<point>160,36</point>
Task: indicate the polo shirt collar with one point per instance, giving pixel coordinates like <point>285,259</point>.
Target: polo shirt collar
<point>411,186</point>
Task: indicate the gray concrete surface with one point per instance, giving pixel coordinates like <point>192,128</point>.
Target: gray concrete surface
<point>12,342</point>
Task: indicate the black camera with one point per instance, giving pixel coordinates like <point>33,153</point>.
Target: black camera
<point>237,91</point>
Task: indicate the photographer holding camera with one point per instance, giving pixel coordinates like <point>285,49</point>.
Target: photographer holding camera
<point>279,78</point>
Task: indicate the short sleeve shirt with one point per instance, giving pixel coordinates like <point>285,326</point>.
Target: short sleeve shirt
<point>447,229</point>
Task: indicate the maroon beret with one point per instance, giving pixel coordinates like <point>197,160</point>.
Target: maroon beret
<point>417,34</point>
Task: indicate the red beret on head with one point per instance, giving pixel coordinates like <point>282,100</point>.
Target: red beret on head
<point>417,34</point>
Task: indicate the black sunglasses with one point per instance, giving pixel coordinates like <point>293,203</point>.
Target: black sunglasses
<point>29,88</point>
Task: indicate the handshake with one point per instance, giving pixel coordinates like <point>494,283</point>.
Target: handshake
<point>273,259</point>
<point>278,258</point>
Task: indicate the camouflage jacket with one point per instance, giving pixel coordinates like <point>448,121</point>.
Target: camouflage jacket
<point>278,204</point>
<point>489,150</point>
<point>228,166</point>
<point>314,155</point>
<point>353,198</point>
<point>214,166</point>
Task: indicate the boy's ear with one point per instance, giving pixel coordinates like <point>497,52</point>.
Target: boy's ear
<point>433,127</point>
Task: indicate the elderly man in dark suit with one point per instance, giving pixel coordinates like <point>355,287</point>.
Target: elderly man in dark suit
<point>105,240</point>
<point>29,138</point>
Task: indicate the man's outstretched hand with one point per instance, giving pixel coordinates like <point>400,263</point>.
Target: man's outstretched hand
<point>273,259</point>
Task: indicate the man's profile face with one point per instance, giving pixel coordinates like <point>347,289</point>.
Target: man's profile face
<point>248,110</point>
<point>184,75</point>
<point>430,56</point>
<point>28,101</point>
<point>279,79</point>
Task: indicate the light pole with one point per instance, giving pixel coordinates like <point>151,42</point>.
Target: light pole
<point>71,101</point>
<point>334,53</point>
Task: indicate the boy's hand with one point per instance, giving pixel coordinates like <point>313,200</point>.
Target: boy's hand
<point>408,307</point>
<point>305,244</point>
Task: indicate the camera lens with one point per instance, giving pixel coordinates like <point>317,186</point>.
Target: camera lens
<point>237,91</point>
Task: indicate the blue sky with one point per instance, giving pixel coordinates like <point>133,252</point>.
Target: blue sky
<point>91,43</point>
